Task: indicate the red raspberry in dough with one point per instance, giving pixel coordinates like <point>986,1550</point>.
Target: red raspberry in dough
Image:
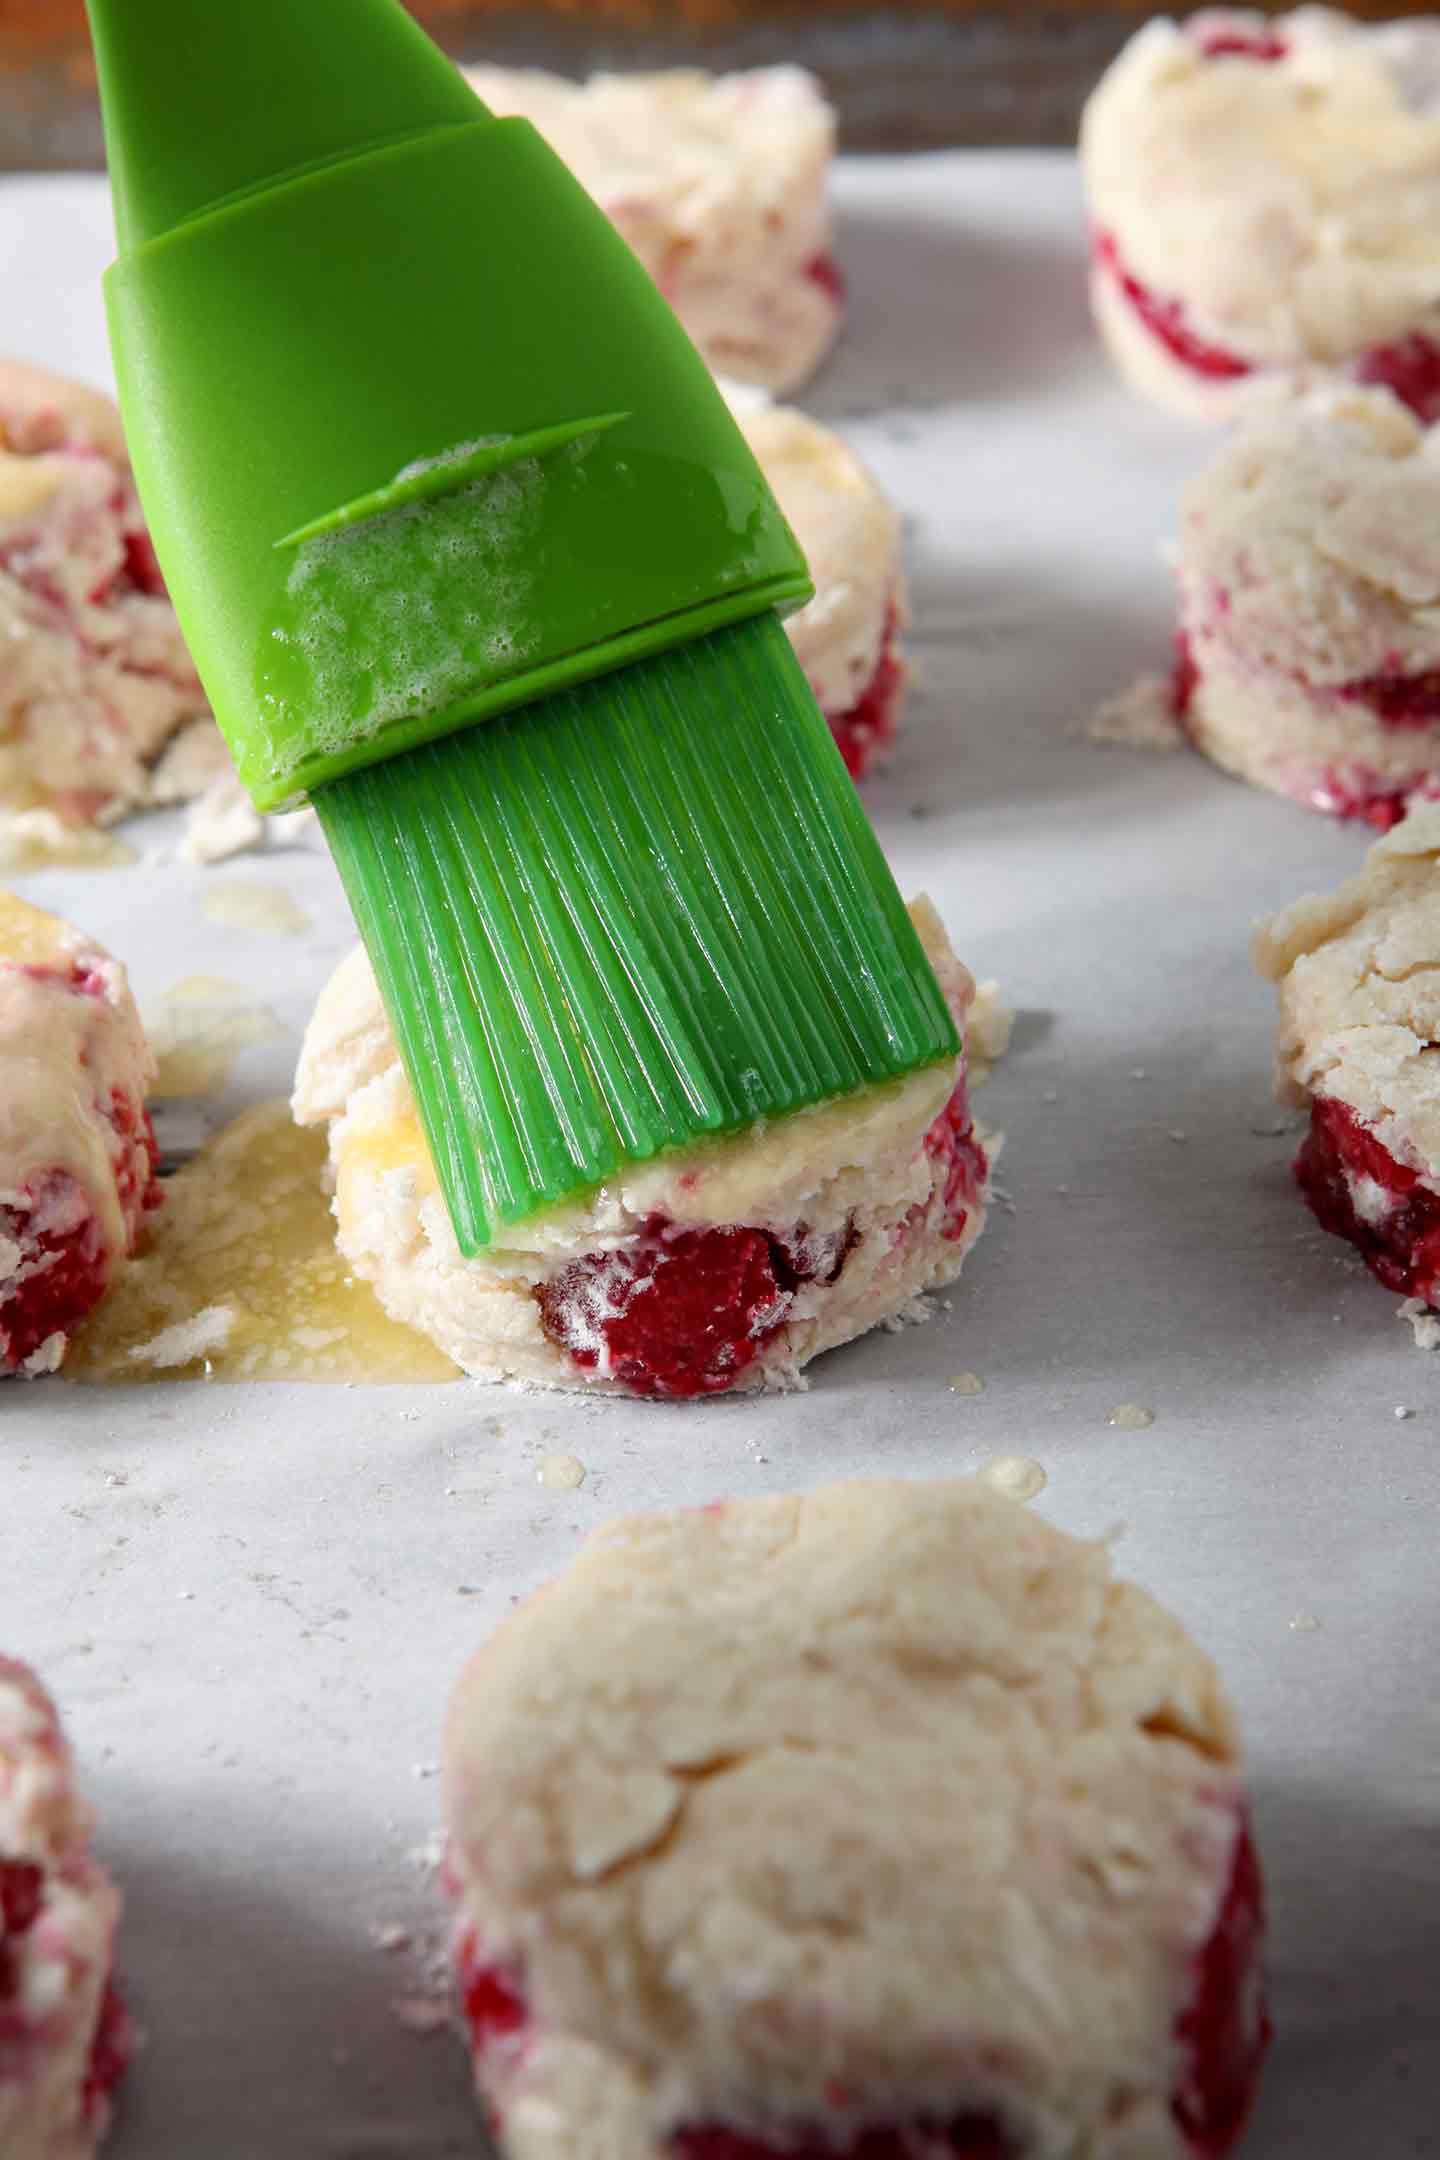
<point>77,1154</point>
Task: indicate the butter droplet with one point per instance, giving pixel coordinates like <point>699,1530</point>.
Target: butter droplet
<point>1304,1623</point>
<point>966,1383</point>
<point>1019,1476</point>
<point>245,906</point>
<point>1131,1417</point>
<point>562,1473</point>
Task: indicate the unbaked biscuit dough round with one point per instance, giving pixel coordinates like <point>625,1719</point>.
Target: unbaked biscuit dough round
<point>727,1265</point>
<point>1309,585</point>
<point>64,2035</point>
<point>1264,197</point>
<point>719,184</point>
<point>77,1155</point>
<point>101,710</point>
<point>878,1823</point>
<point>1358,977</point>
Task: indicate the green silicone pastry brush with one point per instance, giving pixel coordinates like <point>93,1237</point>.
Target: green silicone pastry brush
<point>469,551</point>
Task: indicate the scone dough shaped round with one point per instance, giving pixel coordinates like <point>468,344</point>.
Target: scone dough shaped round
<point>1309,576</point>
<point>100,706</point>
<point>1264,195</point>
<point>880,1819</point>
<point>66,2038</point>
<point>729,1264</point>
<point>719,185</point>
<point>77,1154</point>
<point>1358,976</point>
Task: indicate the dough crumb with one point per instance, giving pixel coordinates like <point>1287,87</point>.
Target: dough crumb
<point>1142,717</point>
<point>188,1339</point>
<point>988,1029</point>
<point>222,822</point>
<point>1424,1324</point>
<point>422,2014</point>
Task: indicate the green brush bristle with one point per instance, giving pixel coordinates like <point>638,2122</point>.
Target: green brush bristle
<point>645,910</point>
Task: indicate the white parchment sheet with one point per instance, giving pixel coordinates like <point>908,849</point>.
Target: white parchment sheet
<point>252,1602</point>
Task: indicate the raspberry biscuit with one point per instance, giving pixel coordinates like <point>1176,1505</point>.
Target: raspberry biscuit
<point>729,1264</point>
<point>718,183</point>
<point>1265,199</point>
<point>77,1156</point>
<point>1309,576</point>
<point>64,2035</point>
<point>95,681</point>
<point>847,637</point>
<point>1358,973</point>
<point>875,1824</point>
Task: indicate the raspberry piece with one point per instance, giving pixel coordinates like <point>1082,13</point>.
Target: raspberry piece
<point>824,271</point>
<point>1165,320</point>
<point>111,2050</point>
<point>1397,700</point>
<point>22,1887</point>
<point>1185,679</point>
<point>951,1141</point>
<point>1402,1248</point>
<point>681,1313</point>
<point>1357,792</point>
<point>142,564</point>
<point>1262,45</point>
<point>869,725</point>
<point>686,1312</point>
<point>1410,367</point>
<point>495,2009</point>
<point>22,1884</point>
<point>65,1264</point>
<point>1224,2029</point>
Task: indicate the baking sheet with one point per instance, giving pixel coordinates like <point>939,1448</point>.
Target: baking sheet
<point>252,1601</point>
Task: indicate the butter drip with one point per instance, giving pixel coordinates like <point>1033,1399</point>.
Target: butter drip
<point>240,1279</point>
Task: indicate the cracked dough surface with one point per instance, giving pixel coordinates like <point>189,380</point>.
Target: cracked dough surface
<point>1358,976</point>
<point>887,1789</point>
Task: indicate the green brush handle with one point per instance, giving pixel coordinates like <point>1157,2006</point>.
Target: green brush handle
<point>403,470</point>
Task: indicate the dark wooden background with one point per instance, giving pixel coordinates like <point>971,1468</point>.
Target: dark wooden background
<point>913,74</point>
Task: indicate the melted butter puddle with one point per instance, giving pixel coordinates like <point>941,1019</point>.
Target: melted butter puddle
<point>197,1029</point>
<point>242,904</point>
<point>240,1279</point>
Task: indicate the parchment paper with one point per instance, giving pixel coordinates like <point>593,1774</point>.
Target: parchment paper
<point>252,1602</point>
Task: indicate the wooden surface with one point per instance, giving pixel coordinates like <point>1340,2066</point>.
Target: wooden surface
<point>911,74</point>
<point>917,73</point>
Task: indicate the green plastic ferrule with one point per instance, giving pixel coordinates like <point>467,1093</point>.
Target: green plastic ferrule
<point>417,438</point>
